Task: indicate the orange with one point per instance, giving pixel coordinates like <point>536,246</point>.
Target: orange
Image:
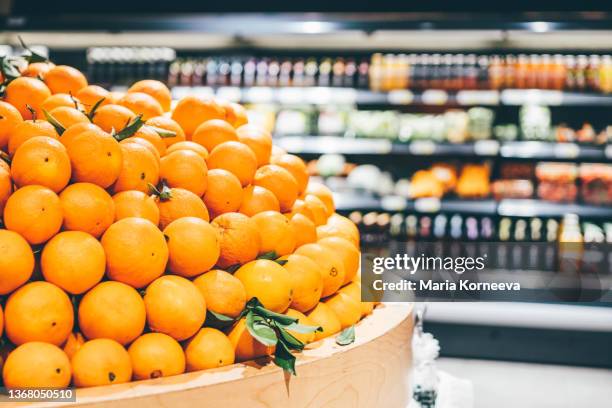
<point>90,95</point>
<point>214,132</point>
<point>353,289</point>
<point>224,293</point>
<point>23,92</point>
<point>191,111</point>
<point>295,166</point>
<point>6,185</point>
<point>324,317</point>
<point>257,199</point>
<point>74,261</point>
<point>306,281</point>
<point>300,207</point>
<point>193,245</point>
<point>347,251</point>
<point>95,157</point>
<point>156,89</point>
<point>16,262</point>
<point>267,281</point>
<point>178,203</point>
<point>156,355</point>
<point>305,338</point>
<point>224,192</point>
<point>317,208</point>
<point>280,182</point>
<point>187,145</point>
<point>235,114</point>
<point>144,143</point>
<point>175,307</point>
<point>245,346</point>
<point>112,310</point>
<point>141,104</point>
<point>209,348</point>
<point>276,233</point>
<point>185,169</point>
<point>73,344</point>
<point>139,169</point>
<point>36,365</point>
<point>41,160</point>
<point>37,69</point>
<point>236,158</point>
<point>1,322</point>
<point>136,251</point>
<point>9,119</point>
<point>324,194</point>
<point>116,95</point>
<point>65,79</point>
<point>101,362</point>
<point>88,208</point>
<point>164,123</point>
<point>150,134</point>
<point>345,307</point>
<point>277,151</point>
<point>57,100</point>
<point>135,204</point>
<point>75,130</point>
<point>339,226</point>
<point>68,116</point>
<point>38,311</point>
<point>35,212</point>
<point>240,240</point>
<point>28,129</point>
<point>258,140</point>
<point>112,116</point>
<point>304,230</point>
<point>330,264</point>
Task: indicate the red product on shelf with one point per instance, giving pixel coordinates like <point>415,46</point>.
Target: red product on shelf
<point>596,183</point>
<point>512,189</point>
<point>557,181</point>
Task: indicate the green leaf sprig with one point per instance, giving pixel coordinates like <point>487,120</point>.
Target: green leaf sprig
<point>163,133</point>
<point>346,336</point>
<point>162,191</point>
<point>129,130</point>
<point>31,56</point>
<point>59,128</point>
<point>94,108</point>
<point>272,256</point>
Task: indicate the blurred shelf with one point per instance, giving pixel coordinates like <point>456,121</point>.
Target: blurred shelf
<point>539,208</point>
<point>553,151</point>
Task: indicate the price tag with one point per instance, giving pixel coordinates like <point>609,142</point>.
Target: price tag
<point>400,97</point>
<point>531,96</point>
<point>434,97</point>
<point>292,144</point>
<point>202,91</point>
<point>422,147</point>
<point>318,95</point>
<point>486,147</point>
<point>229,93</point>
<point>259,94</point>
<point>427,205</point>
<point>393,203</point>
<point>566,150</point>
<point>291,95</point>
<point>478,97</point>
<point>344,96</point>
<point>608,151</point>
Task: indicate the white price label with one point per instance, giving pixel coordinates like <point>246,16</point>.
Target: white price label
<point>422,147</point>
<point>259,94</point>
<point>400,97</point>
<point>608,151</point>
<point>427,205</point>
<point>531,96</point>
<point>318,95</point>
<point>566,150</point>
<point>486,147</point>
<point>478,97</point>
<point>434,97</point>
<point>291,95</point>
<point>344,96</point>
<point>229,93</point>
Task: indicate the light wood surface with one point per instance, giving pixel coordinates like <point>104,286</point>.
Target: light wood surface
<point>371,372</point>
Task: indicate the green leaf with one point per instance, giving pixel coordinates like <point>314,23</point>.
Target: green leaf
<point>302,328</point>
<point>284,359</point>
<point>9,68</point>
<point>268,255</point>
<point>260,331</point>
<point>130,129</point>
<point>163,192</point>
<point>289,340</point>
<point>217,320</point>
<point>233,268</point>
<point>346,337</point>
<point>94,108</point>
<point>163,133</point>
<point>32,56</point>
<point>59,128</point>
<point>277,317</point>
<point>281,262</point>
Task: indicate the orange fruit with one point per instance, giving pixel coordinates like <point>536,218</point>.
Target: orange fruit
<point>304,230</point>
<point>75,130</point>
<point>68,116</point>
<point>60,99</point>
<point>235,114</point>
<point>41,160</point>
<point>88,208</point>
<point>330,264</point>
<point>74,261</point>
<point>258,140</point>
<point>73,343</point>
<point>306,281</point>
<point>6,185</point>
<point>224,192</point>
<point>16,262</point>
<point>317,208</point>
<point>28,129</point>
<point>305,338</point>
<point>141,104</point>
<point>116,95</point>
<point>38,311</point>
<point>324,194</point>
<point>214,132</point>
<point>178,203</point>
<point>347,251</point>
<point>175,307</point>
<point>90,95</point>
<point>101,362</point>
<point>353,289</point>
<point>185,169</point>
<point>112,116</point>
<point>144,143</point>
<point>277,151</point>
<point>300,207</point>
<point>209,348</point>
<point>187,145</point>
<point>149,134</point>
<point>240,240</point>
<point>95,157</point>
<point>339,226</point>
<point>193,245</point>
<point>276,233</point>
<point>23,92</point>
<point>9,119</point>
<point>35,212</point>
<point>112,310</point>
<point>139,169</point>
<point>37,69</point>
<point>36,365</point>
<point>156,355</point>
<point>245,346</point>
<point>324,317</point>
<point>224,293</point>
<point>236,158</point>
<point>295,166</point>
<point>136,252</point>
<point>257,199</point>
<point>164,123</point>
<point>156,89</point>
<point>267,281</point>
<point>135,204</point>
<point>280,182</point>
<point>191,111</point>
<point>65,79</point>
<point>345,307</point>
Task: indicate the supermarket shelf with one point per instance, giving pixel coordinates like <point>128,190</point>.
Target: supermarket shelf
<point>539,208</point>
<point>553,151</point>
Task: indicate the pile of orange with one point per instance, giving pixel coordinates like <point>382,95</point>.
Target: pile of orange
<point>115,242</point>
